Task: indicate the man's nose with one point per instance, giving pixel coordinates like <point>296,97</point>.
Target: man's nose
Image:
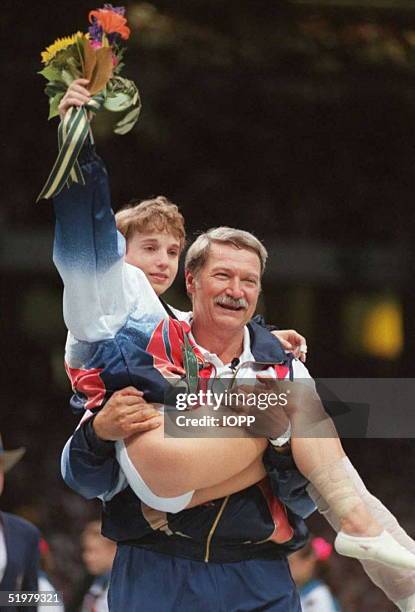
<point>234,288</point>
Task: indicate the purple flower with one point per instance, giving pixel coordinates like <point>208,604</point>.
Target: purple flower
<point>117,9</point>
<point>95,31</point>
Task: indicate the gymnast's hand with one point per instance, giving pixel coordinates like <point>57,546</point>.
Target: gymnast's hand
<point>76,95</point>
<point>126,413</point>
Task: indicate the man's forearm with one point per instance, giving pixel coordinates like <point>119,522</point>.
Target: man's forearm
<point>88,464</point>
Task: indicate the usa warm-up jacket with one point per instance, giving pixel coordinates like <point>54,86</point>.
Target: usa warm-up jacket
<point>120,335</point>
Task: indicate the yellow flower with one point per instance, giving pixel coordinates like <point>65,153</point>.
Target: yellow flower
<point>59,45</point>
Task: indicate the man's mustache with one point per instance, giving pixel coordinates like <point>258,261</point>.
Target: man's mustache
<point>227,300</point>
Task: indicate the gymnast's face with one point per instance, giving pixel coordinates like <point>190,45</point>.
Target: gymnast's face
<point>157,255</point>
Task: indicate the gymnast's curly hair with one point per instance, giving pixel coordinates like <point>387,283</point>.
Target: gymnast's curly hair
<point>154,215</point>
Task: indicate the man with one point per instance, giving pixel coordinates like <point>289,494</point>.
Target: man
<point>19,542</point>
<point>229,553</point>
<point>98,556</point>
<point>245,572</point>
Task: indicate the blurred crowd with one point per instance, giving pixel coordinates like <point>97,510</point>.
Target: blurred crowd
<point>74,561</point>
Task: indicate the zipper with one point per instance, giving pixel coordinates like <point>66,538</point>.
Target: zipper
<point>213,528</point>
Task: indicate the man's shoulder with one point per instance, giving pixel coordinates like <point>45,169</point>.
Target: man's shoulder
<point>263,345</point>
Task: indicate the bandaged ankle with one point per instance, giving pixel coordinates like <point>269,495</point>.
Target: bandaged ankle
<point>396,584</point>
<point>380,513</point>
<point>333,483</point>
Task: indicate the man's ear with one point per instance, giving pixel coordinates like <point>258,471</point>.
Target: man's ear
<point>190,282</point>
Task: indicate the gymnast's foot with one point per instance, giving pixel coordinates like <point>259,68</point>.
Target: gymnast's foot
<point>382,548</point>
<point>362,537</point>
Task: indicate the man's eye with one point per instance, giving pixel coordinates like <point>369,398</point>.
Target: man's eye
<point>150,248</point>
<point>251,281</point>
<point>221,275</point>
<point>173,253</point>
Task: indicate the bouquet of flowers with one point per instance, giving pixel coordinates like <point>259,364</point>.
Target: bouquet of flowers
<point>96,56</point>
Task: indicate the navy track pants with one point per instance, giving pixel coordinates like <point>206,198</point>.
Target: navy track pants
<point>145,581</point>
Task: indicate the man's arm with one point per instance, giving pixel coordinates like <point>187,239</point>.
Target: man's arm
<point>90,468</point>
<point>88,464</point>
<point>88,460</point>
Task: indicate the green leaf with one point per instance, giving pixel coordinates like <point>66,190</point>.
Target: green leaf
<point>67,78</point>
<point>74,67</point>
<point>53,105</point>
<point>51,73</point>
<point>131,116</point>
<point>127,122</point>
<point>136,98</point>
<point>54,87</point>
<point>119,68</point>
<point>118,102</point>
<point>120,64</point>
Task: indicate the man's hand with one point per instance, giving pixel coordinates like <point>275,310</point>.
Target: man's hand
<point>126,413</point>
<point>270,418</point>
<point>292,341</point>
<point>76,95</point>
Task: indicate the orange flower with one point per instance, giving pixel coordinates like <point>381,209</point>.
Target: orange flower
<point>111,22</point>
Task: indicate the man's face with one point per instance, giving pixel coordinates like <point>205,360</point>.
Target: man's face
<point>226,290</point>
<point>157,255</point>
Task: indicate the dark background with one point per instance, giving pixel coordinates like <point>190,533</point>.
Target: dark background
<point>293,120</point>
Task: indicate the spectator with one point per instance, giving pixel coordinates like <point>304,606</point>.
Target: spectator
<point>309,568</point>
<point>19,542</point>
<point>98,555</point>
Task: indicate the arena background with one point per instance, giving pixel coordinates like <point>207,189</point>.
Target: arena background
<point>292,119</point>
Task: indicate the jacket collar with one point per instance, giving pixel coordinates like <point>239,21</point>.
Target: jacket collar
<point>265,347</point>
